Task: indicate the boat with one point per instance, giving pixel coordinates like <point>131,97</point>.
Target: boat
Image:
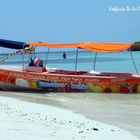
<point>35,76</point>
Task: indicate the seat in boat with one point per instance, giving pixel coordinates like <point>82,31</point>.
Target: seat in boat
<point>66,72</point>
<point>35,69</point>
<point>94,72</point>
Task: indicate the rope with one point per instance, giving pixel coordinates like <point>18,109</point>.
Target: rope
<point>28,50</point>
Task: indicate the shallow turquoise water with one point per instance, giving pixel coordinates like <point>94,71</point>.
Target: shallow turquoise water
<point>119,62</point>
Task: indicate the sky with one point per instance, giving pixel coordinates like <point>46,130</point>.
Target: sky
<point>64,21</point>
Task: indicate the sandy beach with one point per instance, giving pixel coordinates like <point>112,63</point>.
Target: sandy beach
<point>25,120</point>
<point>122,111</point>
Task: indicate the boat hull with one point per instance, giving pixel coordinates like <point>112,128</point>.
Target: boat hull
<point>54,82</point>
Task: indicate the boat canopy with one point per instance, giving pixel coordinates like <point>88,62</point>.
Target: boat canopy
<point>91,46</point>
<point>12,44</point>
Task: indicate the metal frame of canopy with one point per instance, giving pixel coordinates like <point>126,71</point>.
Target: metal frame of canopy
<point>91,46</point>
<point>95,59</point>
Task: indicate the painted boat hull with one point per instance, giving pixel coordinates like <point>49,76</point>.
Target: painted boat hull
<point>69,82</point>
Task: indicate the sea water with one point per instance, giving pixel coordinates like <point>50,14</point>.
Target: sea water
<point>113,62</point>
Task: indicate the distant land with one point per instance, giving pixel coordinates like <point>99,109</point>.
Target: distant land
<point>135,46</point>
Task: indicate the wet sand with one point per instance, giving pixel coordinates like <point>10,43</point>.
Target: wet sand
<point>121,110</point>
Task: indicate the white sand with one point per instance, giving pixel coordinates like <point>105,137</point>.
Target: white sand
<point>29,121</point>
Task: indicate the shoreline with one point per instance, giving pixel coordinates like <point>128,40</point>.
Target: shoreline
<point>53,122</point>
<point>82,105</point>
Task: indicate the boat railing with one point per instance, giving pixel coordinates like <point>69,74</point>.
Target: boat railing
<point>72,72</point>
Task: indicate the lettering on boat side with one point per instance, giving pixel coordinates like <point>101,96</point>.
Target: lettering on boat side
<point>66,78</point>
<point>16,74</point>
<point>91,80</point>
<point>71,79</point>
<point>76,79</point>
<point>25,75</point>
<point>118,80</point>
<point>49,84</point>
<point>3,72</point>
<point>48,77</point>
<point>52,78</point>
<point>79,86</point>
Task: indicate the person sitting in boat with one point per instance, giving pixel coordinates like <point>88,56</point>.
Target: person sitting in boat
<point>31,63</point>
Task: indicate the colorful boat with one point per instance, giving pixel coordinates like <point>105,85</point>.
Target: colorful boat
<point>37,76</point>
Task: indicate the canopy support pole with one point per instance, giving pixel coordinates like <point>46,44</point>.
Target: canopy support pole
<point>95,58</point>
<point>23,57</point>
<point>133,62</point>
<point>76,60</point>
<point>47,56</point>
<point>34,51</point>
<point>29,57</point>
